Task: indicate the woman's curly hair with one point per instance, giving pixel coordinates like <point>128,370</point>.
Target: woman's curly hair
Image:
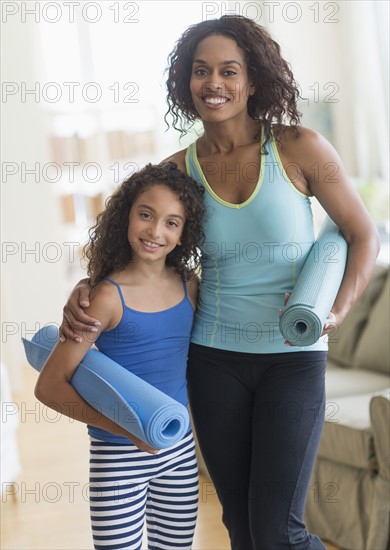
<point>276,91</point>
<point>108,248</point>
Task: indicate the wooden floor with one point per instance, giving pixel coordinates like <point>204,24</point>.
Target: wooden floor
<point>50,508</point>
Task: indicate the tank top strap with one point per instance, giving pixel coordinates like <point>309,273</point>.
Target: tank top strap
<point>184,284</point>
<point>191,166</point>
<point>119,289</point>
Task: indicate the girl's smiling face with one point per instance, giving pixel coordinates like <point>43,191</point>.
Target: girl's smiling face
<point>219,81</point>
<point>156,223</point>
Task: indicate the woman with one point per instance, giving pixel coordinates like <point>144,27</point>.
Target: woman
<point>257,402</point>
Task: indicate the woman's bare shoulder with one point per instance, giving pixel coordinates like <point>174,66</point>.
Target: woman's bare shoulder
<point>294,139</point>
<point>178,158</point>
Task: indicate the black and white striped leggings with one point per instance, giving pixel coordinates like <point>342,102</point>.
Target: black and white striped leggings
<point>128,485</point>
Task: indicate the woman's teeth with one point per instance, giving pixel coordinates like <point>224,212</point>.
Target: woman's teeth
<point>215,100</point>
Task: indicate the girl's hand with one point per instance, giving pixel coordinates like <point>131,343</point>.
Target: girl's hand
<point>74,316</point>
<point>142,446</point>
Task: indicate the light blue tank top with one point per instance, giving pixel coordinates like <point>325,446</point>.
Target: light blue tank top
<point>252,254</point>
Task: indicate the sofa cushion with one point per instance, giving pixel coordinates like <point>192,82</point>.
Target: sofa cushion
<point>373,350</point>
<point>347,436</point>
<point>380,418</point>
<point>340,381</point>
<point>343,343</point>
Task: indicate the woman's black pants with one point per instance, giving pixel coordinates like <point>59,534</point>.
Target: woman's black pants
<point>258,419</point>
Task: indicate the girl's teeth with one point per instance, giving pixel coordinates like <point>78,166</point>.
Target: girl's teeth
<point>148,243</point>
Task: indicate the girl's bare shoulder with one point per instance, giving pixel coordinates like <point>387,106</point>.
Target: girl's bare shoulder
<point>105,303</point>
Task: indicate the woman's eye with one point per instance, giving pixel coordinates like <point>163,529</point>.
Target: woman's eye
<point>173,224</point>
<point>200,72</point>
<point>145,215</point>
<point>229,73</point>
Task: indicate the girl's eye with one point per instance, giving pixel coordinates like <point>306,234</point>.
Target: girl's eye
<point>145,215</point>
<point>200,72</point>
<point>173,224</point>
<point>229,73</point>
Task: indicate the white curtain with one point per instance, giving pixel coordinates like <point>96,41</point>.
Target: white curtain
<point>365,50</point>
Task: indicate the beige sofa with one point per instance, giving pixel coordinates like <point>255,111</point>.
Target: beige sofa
<point>348,500</point>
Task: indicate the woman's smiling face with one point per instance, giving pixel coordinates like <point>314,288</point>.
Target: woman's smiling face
<point>219,81</point>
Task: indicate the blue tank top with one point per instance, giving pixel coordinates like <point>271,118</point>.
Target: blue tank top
<point>252,254</point>
<point>153,346</point>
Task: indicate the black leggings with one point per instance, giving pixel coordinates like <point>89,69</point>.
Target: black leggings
<point>259,419</point>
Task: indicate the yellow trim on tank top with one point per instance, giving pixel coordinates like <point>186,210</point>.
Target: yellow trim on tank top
<point>281,167</point>
<point>208,187</point>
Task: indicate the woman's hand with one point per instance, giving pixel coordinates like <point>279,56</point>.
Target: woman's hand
<point>74,316</point>
<point>330,326</point>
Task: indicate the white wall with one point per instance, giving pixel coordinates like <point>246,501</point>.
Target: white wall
<point>311,37</point>
<point>32,284</point>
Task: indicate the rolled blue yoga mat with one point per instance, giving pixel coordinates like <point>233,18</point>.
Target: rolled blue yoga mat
<point>129,401</point>
<point>316,288</point>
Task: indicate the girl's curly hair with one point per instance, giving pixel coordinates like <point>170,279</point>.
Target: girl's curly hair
<point>276,91</point>
<point>108,248</point>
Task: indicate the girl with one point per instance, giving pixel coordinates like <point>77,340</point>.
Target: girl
<point>257,403</point>
<point>142,255</point>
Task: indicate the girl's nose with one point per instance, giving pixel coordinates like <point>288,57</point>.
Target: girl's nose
<point>154,230</point>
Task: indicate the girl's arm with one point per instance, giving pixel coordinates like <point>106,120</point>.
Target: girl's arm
<point>328,181</point>
<point>53,387</point>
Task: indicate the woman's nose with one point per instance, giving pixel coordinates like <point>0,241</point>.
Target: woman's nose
<point>214,85</point>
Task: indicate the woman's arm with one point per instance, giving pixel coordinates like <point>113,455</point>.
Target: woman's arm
<point>75,320</point>
<point>328,181</point>
<point>53,387</point>
<point>193,289</point>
